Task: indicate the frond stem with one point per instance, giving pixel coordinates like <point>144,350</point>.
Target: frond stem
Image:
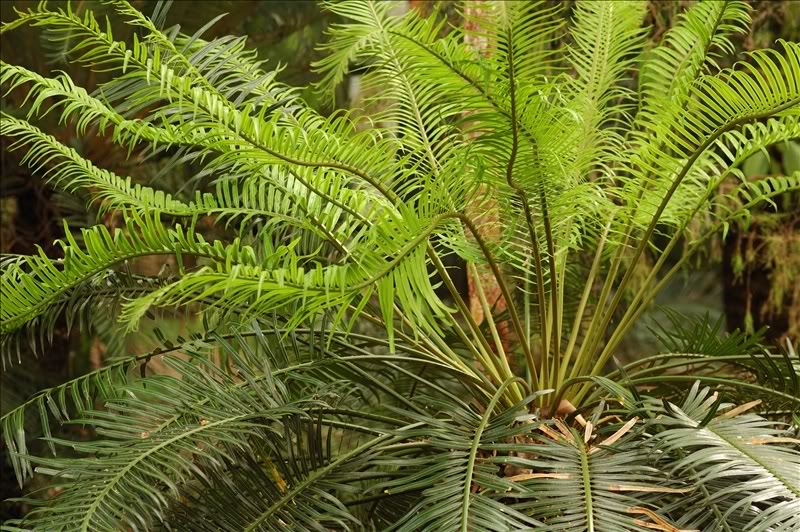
<point>482,351</point>
<point>487,311</point>
<point>644,240</point>
<point>716,380</point>
<point>692,358</point>
<point>518,329</point>
<point>633,312</point>
<point>523,196</point>
<point>476,441</point>
<point>587,483</point>
<point>576,325</point>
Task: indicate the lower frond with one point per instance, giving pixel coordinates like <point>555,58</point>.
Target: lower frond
<point>744,467</point>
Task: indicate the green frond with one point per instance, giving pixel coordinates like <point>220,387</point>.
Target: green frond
<point>293,201</point>
<point>457,489</point>
<point>527,31</point>
<point>31,286</point>
<point>735,463</point>
<point>685,334</point>
<point>769,87</point>
<point>254,289</point>
<point>688,50</point>
<point>78,305</point>
<point>608,42</point>
<point>304,363</point>
<point>582,485</point>
<point>154,73</point>
<point>63,167</point>
<point>277,422</point>
<point>348,41</point>
<point>405,92</point>
<point>75,101</point>
<point>703,183</point>
<point>149,448</point>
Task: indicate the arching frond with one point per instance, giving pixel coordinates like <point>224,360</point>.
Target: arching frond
<point>593,486</point>
<point>718,105</point>
<point>277,421</point>
<point>31,286</point>
<point>66,169</point>
<point>158,458</point>
<point>688,50</point>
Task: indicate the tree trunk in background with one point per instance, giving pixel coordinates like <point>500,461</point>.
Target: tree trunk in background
<point>423,7</point>
<point>485,215</point>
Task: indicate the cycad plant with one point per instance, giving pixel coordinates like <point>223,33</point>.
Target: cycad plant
<point>332,386</point>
